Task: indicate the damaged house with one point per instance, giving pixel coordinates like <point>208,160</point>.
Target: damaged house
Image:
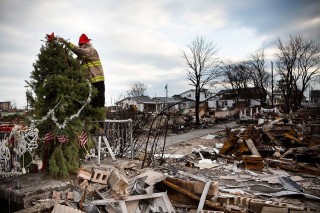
<point>180,102</point>
<point>238,98</point>
<point>147,104</point>
<point>314,98</point>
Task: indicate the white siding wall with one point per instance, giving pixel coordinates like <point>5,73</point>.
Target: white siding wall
<point>188,94</point>
<point>212,103</point>
<point>128,102</point>
<point>140,107</point>
<point>229,103</point>
<point>191,95</point>
<point>254,103</point>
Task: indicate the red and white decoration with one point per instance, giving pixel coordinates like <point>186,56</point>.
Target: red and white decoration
<point>63,139</point>
<point>48,137</point>
<point>83,138</point>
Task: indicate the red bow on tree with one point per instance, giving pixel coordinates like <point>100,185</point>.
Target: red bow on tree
<point>50,37</point>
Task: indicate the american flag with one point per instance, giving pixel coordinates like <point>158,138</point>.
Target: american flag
<point>83,138</point>
<point>48,137</point>
<point>63,138</point>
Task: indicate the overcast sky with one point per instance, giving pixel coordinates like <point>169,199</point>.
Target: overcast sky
<point>141,40</point>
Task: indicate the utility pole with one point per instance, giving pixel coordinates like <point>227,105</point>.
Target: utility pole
<point>309,95</point>
<point>272,84</point>
<point>166,87</point>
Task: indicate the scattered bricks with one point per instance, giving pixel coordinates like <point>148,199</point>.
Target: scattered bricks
<point>221,200</point>
<point>56,195</point>
<point>84,174</point>
<point>232,208</point>
<point>100,176</point>
<point>230,200</point>
<point>225,201</point>
<point>237,201</point>
<point>118,184</point>
<point>248,202</point>
<point>243,201</point>
<point>83,184</point>
<point>257,205</point>
<point>70,196</point>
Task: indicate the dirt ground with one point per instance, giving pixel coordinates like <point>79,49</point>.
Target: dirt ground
<point>187,147</point>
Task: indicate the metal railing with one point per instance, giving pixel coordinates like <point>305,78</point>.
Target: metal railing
<point>119,135</point>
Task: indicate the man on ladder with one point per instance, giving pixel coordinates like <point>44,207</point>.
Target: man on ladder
<point>90,61</point>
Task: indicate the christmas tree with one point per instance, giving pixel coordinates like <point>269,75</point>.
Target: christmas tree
<point>60,99</point>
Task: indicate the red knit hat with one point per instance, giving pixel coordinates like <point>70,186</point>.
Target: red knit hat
<point>84,39</point>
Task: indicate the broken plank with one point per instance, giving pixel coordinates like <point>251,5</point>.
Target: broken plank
<point>130,198</point>
<point>193,196</point>
<point>123,206</point>
<point>203,196</point>
<point>167,202</point>
<point>252,147</point>
<point>123,203</point>
<point>132,206</point>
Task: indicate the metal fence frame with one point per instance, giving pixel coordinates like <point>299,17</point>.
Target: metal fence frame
<point>119,133</point>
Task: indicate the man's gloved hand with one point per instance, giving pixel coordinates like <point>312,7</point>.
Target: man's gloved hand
<point>60,39</point>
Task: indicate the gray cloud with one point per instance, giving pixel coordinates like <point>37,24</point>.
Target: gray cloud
<point>279,18</point>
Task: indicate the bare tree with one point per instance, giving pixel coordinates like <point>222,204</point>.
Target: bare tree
<point>202,66</point>
<point>137,89</point>
<point>237,76</point>
<point>260,78</point>
<point>298,63</point>
<point>228,79</point>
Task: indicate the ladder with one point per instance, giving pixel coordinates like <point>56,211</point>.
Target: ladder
<point>103,147</point>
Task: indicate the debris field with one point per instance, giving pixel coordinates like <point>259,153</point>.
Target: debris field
<point>266,164</point>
